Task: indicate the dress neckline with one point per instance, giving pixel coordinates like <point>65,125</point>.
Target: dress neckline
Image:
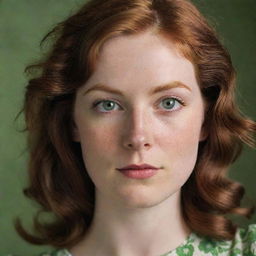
<point>188,239</point>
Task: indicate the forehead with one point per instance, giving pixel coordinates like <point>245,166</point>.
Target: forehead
<point>139,47</point>
<point>136,59</point>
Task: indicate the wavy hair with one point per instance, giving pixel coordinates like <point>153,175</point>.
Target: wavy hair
<point>58,180</point>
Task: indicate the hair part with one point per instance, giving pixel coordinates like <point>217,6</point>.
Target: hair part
<point>58,179</point>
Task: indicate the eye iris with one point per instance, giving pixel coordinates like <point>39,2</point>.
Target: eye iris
<point>170,103</point>
<point>108,105</point>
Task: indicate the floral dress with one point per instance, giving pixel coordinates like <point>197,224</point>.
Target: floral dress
<point>244,243</point>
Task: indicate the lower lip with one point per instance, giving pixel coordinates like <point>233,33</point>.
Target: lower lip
<point>139,174</point>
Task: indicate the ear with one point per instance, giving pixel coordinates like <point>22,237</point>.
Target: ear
<point>75,132</point>
<point>204,133</point>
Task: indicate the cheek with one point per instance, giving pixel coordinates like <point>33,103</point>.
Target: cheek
<point>187,135</point>
<point>96,140</point>
<point>180,144</point>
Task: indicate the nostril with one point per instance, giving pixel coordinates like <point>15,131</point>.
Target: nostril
<point>145,145</point>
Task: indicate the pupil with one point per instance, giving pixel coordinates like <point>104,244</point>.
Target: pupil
<point>170,103</point>
<point>108,104</point>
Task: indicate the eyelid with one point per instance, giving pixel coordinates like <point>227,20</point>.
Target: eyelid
<point>98,101</point>
<point>180,100</point>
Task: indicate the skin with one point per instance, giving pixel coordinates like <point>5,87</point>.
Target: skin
<point>138,216</point>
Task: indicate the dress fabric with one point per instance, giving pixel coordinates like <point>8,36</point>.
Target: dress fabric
<point>244,243</point>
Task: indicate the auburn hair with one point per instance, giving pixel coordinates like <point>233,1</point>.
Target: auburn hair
<point>58,180</point>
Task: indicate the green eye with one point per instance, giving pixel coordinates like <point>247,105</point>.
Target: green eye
<point>104,105</point>
<point>108,105</point>
<point>171,103</point>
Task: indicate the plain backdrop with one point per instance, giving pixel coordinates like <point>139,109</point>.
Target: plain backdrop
<point>23,23</point>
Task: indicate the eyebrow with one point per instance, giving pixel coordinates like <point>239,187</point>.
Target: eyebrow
<point>160,88</point>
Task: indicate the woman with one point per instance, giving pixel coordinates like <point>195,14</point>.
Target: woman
<point>132,125</point>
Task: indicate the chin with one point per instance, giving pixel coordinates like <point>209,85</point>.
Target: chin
<point>143,198</point>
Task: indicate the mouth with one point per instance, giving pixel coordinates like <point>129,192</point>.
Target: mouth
<point>138,167</point>
<point>142,171</point>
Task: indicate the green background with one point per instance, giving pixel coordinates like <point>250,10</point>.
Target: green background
<point>23,23</point>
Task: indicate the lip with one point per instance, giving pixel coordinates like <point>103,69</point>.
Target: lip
<point>138,167</point>
<point>141,171</point>
<point>139,174</point>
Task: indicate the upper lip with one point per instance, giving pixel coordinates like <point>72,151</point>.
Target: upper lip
<point>137,167</point>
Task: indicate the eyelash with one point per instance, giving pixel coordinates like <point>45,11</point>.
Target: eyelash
<point>98,101</point>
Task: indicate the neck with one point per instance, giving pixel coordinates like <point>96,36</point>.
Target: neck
<point>141,231</point>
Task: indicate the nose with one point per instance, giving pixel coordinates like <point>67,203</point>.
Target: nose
<point>138,142</point>
<point>137,135</point>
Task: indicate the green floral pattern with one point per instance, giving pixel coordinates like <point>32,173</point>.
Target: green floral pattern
<point>244,244</point>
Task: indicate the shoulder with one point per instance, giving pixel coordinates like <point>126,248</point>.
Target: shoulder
<point>244,243</point>
<point>56,252</point>
<point>245,240</point>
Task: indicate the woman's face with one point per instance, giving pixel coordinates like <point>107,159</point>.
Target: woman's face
<point>137,126</point>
